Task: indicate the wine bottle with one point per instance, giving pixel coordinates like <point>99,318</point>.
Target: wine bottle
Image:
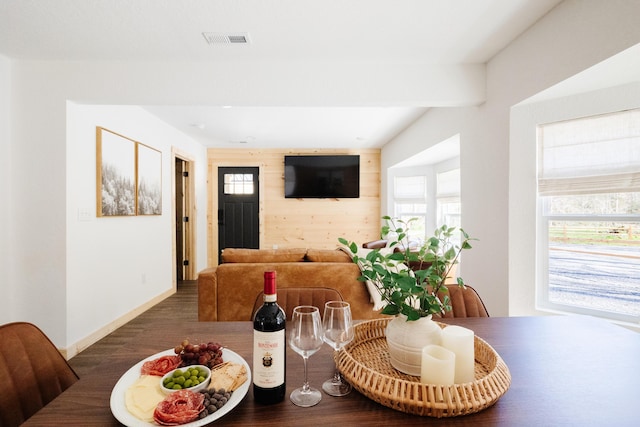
<point>269,351</point>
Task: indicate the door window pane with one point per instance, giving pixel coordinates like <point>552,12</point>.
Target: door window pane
<point>238,183</point>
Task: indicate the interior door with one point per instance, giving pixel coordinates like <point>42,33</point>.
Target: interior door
<point>238,208</point>
<point>180,215</point>
<point>184,224</point>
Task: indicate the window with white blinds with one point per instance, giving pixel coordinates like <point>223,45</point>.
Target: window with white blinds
<point>590,155</point>
<point>410,187</point>
<point>410,201</point>
<point>448,183</point>
<point>589,227</point>
<point>449,208</point>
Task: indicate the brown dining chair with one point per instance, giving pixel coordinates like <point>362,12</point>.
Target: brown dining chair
<point>34,372</point>
<point>465,302</point>
<point>290,298</point>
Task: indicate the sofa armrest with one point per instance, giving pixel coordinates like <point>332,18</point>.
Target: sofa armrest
<point>207,295</point>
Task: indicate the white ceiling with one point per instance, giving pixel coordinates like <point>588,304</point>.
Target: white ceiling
<point>439,32</point>
<point>286,127</point>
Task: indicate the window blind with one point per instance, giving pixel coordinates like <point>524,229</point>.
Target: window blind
<point>599,154</point>
<point>448,183</point>
<point>410,187</point>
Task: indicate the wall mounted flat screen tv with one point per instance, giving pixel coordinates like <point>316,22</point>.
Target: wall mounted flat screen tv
<point>322,176</point>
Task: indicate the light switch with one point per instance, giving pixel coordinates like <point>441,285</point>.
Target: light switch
<point>85,214</point>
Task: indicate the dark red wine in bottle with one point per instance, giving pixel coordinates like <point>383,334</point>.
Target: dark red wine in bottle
<point>269,351</point>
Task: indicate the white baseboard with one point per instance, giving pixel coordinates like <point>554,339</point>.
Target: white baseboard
<point>79,346</point>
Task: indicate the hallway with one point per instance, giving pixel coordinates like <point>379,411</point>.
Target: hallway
<point>182,305</point>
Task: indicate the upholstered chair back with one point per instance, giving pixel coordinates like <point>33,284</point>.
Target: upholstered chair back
<point>34,372</point>
<point>465,302</point>
<point>290,298</point>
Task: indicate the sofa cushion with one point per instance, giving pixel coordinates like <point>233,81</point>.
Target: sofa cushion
<point>239,255</point>
<point>376,244</point>
<point>327,255</point>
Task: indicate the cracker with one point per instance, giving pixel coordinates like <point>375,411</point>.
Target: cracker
<point>220,366</point>
<point>228,376</point>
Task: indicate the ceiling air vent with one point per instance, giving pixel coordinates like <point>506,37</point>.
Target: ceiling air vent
<point>226,38</point>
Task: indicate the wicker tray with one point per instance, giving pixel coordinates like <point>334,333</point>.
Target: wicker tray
<point>365,364</point>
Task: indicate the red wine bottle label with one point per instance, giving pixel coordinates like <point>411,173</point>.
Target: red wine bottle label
<point>268,358</point>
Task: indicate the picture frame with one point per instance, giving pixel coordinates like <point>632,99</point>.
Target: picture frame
<point>115,174</point>
<point>128,176</point>
<point>149,180</point>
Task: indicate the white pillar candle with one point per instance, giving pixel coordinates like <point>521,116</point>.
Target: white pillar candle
<point>460,341</point>
<point>438,365</point>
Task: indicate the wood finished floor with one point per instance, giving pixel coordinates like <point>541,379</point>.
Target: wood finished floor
<point>182,305</point>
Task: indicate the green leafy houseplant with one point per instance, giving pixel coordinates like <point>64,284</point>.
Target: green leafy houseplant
<point>412,291</point>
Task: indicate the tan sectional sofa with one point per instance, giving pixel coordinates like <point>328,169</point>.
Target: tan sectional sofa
<point>228,292</point>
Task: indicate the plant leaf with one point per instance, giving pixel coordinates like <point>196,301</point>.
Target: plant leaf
<point>412,291</point>
<point>450,254</point>
<point>390,310</point>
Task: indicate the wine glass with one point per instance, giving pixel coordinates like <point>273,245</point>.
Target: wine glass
<point>338,331</point>
<point>305,338</point>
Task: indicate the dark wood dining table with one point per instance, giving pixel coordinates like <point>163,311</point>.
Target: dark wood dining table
<point>566,371</point>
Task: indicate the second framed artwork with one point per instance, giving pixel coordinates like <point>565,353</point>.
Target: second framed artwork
<point>149,180</point>
<point>128,176</point>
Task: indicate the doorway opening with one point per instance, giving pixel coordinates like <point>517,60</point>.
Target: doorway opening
<point>184,218</point>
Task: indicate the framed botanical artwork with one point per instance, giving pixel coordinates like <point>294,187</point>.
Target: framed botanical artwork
<point>115,174</point>
<point>149,183</point>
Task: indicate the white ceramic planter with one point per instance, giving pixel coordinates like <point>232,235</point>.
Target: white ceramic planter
<point>406,340</point>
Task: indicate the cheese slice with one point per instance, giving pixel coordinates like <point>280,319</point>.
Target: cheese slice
<point>142,397</point>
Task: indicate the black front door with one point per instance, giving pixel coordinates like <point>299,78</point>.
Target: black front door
<point>238,202</point>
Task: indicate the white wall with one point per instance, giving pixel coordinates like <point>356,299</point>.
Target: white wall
<point>73,278</point>
<point>572,37</point>
<point>38,201</point>
<point>125,260</point>
<point>5,190</point>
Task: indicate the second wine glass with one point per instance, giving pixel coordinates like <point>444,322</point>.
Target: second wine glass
<point>305,338</point>
<point>338,331</point>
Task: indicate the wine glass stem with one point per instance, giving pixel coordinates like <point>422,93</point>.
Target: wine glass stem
<point>336,375</point>
<point>305,385</point>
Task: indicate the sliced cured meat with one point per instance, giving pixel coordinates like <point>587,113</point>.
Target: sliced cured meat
<point>179,407</point>
<point>160,366</point>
